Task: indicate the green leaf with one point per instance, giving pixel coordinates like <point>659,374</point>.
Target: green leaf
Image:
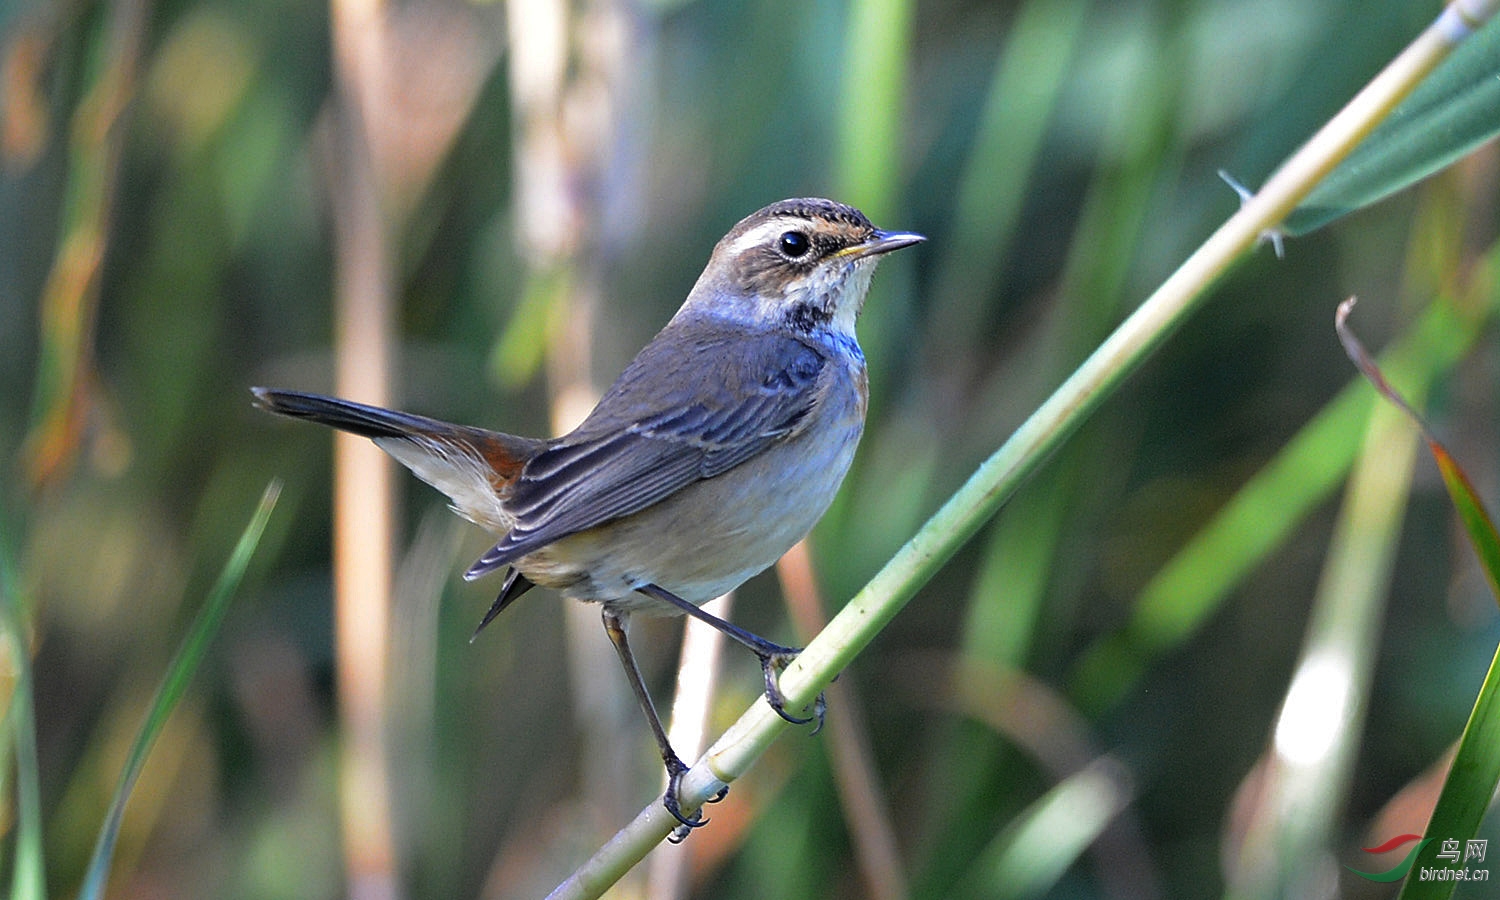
<point>179,673</point>
<point>1260,518</point>
<point>1476,766</point>
<point>1467,790</point>
<point>1477,522</point>
<point>1453,111</point>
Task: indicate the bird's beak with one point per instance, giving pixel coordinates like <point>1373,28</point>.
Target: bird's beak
<point>882,242</point>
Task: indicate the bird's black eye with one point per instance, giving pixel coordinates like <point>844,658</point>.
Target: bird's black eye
<point>793,244</point>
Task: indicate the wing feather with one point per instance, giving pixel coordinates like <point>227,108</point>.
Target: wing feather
<point>687,408</point>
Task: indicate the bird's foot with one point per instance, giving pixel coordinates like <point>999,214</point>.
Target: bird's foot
<point>771,665</point>
<point>675,770</point>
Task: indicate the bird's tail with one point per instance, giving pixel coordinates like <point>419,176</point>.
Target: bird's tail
<point>474,467</point>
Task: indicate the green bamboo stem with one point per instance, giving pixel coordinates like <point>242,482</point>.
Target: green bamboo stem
<point>1000,475</point>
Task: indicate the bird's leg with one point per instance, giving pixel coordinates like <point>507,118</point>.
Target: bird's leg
<point>773,657</point>
<point>614,626</point>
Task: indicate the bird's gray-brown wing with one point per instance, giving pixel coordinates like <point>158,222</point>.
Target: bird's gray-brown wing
<point>686,409</point>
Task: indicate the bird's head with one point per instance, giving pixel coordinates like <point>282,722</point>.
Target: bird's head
<point>803,264</point>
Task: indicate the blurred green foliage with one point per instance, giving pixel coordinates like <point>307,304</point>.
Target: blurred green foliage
<point>165,244</point>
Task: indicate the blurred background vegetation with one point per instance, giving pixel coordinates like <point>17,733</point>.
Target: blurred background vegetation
<point>545,181</point>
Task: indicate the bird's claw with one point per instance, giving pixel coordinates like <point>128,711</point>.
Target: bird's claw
<point>771,665</point>
<point>675,770</point>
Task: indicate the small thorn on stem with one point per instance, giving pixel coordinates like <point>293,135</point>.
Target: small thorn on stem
<point>1273,236</point>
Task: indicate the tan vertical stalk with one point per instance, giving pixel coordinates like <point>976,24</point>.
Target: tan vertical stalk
<point>362,513</point>
<point>570,80</point>
<point>668,876</point>
<point>867,813</point>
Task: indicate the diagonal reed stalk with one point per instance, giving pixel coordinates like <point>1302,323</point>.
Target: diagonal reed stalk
<point>1000,475</point>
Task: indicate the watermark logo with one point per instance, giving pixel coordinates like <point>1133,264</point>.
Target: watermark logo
<point>1454,856</point>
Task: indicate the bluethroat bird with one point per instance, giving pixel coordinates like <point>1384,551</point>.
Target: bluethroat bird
<point>717,449</point>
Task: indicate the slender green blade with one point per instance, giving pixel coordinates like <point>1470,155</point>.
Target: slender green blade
<point>877,54</point>
<point>179,673</point>
<point>1466,792</point>
<point>28,879</point>
<point>1477,522</point>
<point>1023,94</point>
<point>1476,766</point>
<point>870,128</point>
<point>28,875</point>
<point>1455,110</point>
<point>1261,517</point>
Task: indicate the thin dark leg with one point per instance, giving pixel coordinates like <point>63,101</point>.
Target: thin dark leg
<point>614,626</point>
<point>773,657</point>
